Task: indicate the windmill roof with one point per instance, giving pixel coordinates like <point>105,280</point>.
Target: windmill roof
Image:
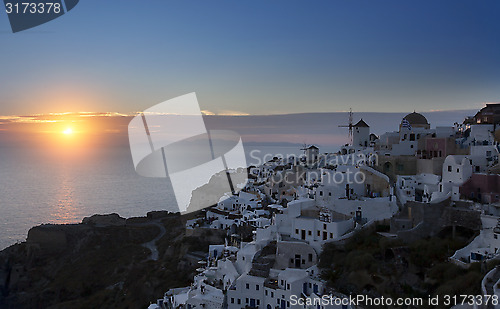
<point>361,123</point>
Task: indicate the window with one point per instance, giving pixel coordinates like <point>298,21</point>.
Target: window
<point>309,233</point>
<point>257,287</point>
<point>319,233</point>
<point>320,193</point>
<point>266,292</point>
<point>258,302</point>
<point>329,193</point>
<point>239,301</point>
<point>272,294</point>
<point>296,231</point>
<point>458,170</point>
<point>495,236</point>
<point>232,300</point>
<point>246,300</point>
<point>248,286</point>
<point>449,168</point>
<point>324,226</point>
<point>412,137</point>
<point>331,235</point>
<point>310,257</point>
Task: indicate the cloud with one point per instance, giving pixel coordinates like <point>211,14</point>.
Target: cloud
<point>224,113</point>
<point>207,113</point>
<point>25,119</point>
<point>56,117</point>
<point>232,113</point>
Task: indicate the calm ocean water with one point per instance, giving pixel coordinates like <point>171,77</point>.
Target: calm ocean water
<point>37,188</point>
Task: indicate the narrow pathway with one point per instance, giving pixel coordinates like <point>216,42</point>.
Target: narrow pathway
<point>489,285</point>
<point>151,245</point>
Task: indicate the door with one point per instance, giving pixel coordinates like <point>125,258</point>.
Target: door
<point>297,261</point>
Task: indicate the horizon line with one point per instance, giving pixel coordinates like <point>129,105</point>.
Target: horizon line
<point>209,114</point>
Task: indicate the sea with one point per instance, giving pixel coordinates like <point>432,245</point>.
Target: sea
<point>38,188</point>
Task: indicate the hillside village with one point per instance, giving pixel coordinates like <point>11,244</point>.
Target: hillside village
<point>417,179</point>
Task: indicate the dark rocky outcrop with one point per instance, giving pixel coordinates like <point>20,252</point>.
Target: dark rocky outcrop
<point>100,263</point>
<point>105,220</point>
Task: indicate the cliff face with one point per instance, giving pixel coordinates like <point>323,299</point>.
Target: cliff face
<point>101,263</point>
<point>371,264</point>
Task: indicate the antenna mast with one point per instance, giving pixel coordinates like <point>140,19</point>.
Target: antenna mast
<point>349,125</point>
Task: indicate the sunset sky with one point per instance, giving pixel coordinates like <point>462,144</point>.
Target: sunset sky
<point>255,57</point>
<point>77,131</point>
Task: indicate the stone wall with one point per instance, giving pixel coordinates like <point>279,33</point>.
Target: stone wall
<point>430,166</point>
<point>424,219</point>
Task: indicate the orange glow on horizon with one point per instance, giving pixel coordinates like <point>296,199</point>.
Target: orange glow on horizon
<point>67,135</point>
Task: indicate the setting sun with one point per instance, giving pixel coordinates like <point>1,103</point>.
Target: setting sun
<point>68,131</point>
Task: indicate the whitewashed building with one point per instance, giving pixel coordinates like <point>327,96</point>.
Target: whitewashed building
<point>456,170</point>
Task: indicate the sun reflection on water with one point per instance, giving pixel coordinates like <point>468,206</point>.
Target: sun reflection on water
<point>66,209</point>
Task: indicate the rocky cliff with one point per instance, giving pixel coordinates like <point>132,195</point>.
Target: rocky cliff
<point>101,263</point>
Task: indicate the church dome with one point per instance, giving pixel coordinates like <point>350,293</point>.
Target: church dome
<point>416,119</point>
